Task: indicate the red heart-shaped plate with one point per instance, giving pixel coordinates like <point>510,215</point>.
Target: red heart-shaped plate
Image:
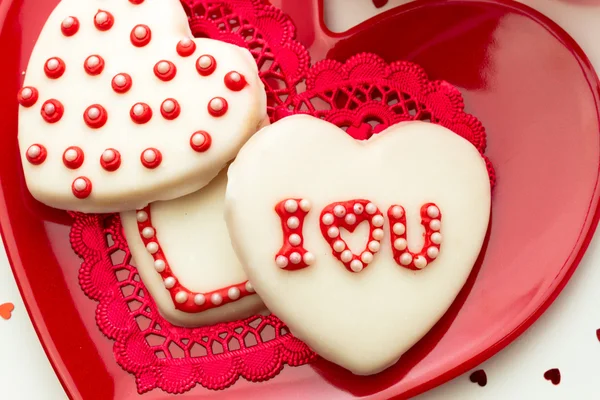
<point>520,74</point>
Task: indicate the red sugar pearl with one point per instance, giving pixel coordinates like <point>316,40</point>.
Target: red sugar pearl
<point>27,96</point>
<point>69,26</point>
<point>140,35</point>
<point>217,107</point>
<point>54,68</point>
<point>73,157</point>
<point>186,47</point>
<point>170,109</point>
<point>151,158</point>
<point>200,141</point>
<point>121,83</point>
<point>110,160</point>
<point>52,111</point>
<point>140,113</point>
<point>165,70</point>
<point>36,154</point>
<point>81,187</point>
<point>235,81</point>
<point>103,20</point>
<point>206,65</point>
<point>95,116</point>
<point>94,65</point>
<point>136,2</point>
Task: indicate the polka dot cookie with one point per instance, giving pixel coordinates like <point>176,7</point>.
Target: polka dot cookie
<point>122,107</point>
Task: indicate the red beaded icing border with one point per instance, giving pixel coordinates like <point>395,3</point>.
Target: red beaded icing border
<point>349,215</point>
<point>184,299</point>
<point>431,219</point>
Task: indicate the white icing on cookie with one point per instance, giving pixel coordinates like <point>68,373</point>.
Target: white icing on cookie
<point>366,314</point>
<point>111,74</point>
<point>192,234</point>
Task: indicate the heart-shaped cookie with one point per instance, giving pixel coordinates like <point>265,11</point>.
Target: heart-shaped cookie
<point>297,182</point>
<point>183,255</point>
<point>121,106</point>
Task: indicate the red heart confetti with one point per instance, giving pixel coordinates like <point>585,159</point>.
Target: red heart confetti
<point>479,377</point>
<point>6,310</point>
<point>553,375</point>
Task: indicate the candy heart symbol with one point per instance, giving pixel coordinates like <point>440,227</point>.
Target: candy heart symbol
<point>6,310</point>
<point>553,375</point>
<point>362,317</point>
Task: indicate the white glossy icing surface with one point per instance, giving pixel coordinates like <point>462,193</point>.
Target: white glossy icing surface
<point>362,321</point>
<point>182,170</point>
<point>192,233</point>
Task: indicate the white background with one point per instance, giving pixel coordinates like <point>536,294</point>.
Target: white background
<point>564,337</point>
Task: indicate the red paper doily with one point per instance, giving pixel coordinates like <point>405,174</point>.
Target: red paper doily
<point>159,354</point>
<point>265,31</point>
<point>364,96</point>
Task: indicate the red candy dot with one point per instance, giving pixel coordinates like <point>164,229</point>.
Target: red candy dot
<point>82,187</point>
<point>140,113</point>
<point>36,154</point>
<point>95,116</point>
<point>151,158</point>
<point>165,70</point>
<point>140,35</point>
<point>110,160</point>
<point>27,96</point>
<point>235,81</point>
<point>217,107</point>
<point>69,26</point>
<point>94,65</point>
<point>104,20</point>
<point>136,2</point>
<point>54,68</point>
<point>121,83</point>
<point>206,65</point>
<point>170,109</point>
<point>73,157</point>
<point>52,111</point>
<point>200,141</point>
<point>186,47</point>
